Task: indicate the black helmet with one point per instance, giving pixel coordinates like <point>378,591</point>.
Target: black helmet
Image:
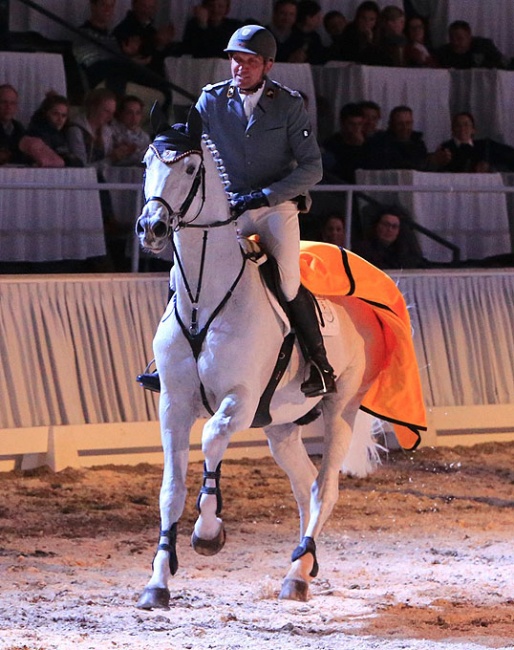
<point>253,39</point>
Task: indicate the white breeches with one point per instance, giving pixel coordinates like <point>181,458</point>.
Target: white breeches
<point>279,232</point>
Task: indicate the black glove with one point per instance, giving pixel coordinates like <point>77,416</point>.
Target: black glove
<point>240,203</point>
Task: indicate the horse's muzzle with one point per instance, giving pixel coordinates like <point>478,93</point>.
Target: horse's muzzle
<point>152,232</point>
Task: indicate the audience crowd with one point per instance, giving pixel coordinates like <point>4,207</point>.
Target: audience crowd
<point>123,70</point>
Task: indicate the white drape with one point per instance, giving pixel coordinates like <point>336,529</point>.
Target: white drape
<point>71,346</point>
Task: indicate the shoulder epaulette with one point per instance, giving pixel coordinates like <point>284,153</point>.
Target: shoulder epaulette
<point>293,93</point>
<point>219,84</point>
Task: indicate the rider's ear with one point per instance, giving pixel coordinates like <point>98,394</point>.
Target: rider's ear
<point>194,125</point>
<point>158,119</point>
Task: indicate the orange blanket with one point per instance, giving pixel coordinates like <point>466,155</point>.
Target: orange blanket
<point>396,395</point>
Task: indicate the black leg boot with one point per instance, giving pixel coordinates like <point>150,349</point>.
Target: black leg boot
<point>321,380</point>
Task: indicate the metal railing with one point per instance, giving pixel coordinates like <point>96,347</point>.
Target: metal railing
<point>350,192</point>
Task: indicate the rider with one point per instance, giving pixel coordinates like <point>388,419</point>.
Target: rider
<point>264,137</point>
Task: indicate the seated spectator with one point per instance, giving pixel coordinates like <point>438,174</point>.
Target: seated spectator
<point>282,24</point>
<point>333,230</point>
<point>358,41</point>
<point>391,242</point>
<point>127,130</point>
<point>417,52</point>
<point>309,20</point>
<point>464,51</point>
<point>48,123</point>
<point>104,63</point>
<point>11,131</point>
<point>470,155</point>
<point>343,152</point>
<point>334,23</point>
<point>400,147</point>
<point>391,40</point>
<point>371,116</point>
<point>209,30</point>
<point>137,32</point>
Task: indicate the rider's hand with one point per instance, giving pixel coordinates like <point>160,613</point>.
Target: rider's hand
<point>240,203</point>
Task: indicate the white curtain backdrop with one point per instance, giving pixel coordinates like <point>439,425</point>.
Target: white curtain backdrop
<point>71,347</point>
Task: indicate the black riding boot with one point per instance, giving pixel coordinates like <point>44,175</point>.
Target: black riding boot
<point>304,319</point>
<point>150,380</point>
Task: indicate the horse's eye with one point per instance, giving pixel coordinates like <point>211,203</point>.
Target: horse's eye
<point>190,170</point>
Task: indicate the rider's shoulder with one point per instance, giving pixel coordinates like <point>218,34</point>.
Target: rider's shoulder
<point>276,86</point>
<point>220,85</point>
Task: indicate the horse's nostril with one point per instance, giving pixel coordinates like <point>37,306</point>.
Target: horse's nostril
<point>159,229</point>
<point>139,228</point>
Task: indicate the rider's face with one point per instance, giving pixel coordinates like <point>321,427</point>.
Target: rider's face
<point>248,70</point>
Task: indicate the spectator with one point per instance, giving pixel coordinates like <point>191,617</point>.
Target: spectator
<point>464,51</point>
<point>127,130</point>
<point>333,230</point>
<point>107,66</point>
<point>391,242</point>
<point>417,52</point>
<point>282,24</point>
<point>208,31</point>
<point>371,115</point>
<point>391,40</point>
<point>400,147</point>
<point>343,152</point>
<point>11,131</point>
<point>471,155</point>
<point>358,41</point>
<point>334,23</point>
<point>137,32</point>
<point>309,20</point>
<point>48,123</point>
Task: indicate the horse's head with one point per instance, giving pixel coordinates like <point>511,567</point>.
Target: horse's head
<point>174,169</point>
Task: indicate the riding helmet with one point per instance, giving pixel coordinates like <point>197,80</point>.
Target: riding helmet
<point>253,39</point>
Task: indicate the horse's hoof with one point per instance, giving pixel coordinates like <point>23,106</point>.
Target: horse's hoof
<point>209,546</point>
<point>154,598</point>
<point>294,589</point>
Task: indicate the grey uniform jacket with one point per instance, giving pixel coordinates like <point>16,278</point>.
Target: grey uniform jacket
<point>275,150</point>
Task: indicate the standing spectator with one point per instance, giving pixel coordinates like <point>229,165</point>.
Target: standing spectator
<point>371,116</point>
<point>418,52</point>
<point>334,23</point>
<point>391,40</point>
<point>400,147</point>
<point>153,44</point>
<point>358,41</point>
<point>343,152</point>
<point>282,24</point>
<point>391,242</point>
<point>470,155</point>
<point>11,131</point>
<point>49,122</point>
<point>464,51</point>
<point>127,130</point>
<point>208,31</point>
<point>309,20</point>
<point>107,66</point>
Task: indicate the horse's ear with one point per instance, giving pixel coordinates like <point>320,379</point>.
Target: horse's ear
<point>158,119</point>
<point>194,125</point>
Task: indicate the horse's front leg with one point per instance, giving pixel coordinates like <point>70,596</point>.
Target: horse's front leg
<point>234,414</point>
<point>176,425</point>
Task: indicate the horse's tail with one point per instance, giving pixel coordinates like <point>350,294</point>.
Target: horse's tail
<point>362,456</point>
